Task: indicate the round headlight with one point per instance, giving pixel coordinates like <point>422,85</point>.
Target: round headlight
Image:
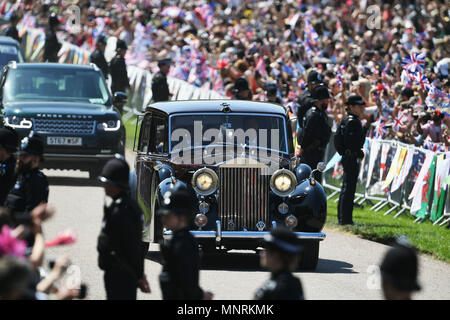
<point>283,182</point>
<point>205,181</point>
<point>291,221</point>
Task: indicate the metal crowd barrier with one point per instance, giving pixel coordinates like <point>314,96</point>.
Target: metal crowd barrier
<point>371,181</point>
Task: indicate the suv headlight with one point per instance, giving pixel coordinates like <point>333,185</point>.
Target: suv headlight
<point>110,125</point>
<point>18,122</point>
<point>205,181</point>
<point>283,182</point>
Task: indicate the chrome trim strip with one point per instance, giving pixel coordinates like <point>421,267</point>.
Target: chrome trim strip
<point>247,235</point>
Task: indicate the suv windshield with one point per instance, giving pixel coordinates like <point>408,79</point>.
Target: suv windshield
<point>262,131</point>
<point>45,84</point>
<point>9,53</point>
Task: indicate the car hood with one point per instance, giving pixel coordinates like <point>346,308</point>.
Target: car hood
<point>49,109</point>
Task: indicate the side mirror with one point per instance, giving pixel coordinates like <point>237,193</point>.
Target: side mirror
<point>120,96</point>
<point>321,166</point>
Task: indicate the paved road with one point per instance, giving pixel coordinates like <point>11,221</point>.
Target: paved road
<point>346,269</point>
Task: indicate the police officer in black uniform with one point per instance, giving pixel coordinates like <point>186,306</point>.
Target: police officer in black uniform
<point>31,188</point>
<point>11,30</point>
<point>118,69</point>
<point>241,90</point>
<point>8,146</point>
<point>179,278</point>
<point>98,56</point>
<point>52,45</point>
<point>353,140</point>
<point>305,101</point>
<point>315,133</point>
<point>160,87</point>
<point>119,245</point>
<point>280,258</point>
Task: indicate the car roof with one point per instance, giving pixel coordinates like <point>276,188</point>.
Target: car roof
<point>52,65</point>
<point>236,106</point>
<point>8,40</point>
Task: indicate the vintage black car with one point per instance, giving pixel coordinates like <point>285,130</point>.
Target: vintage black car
<point>69,106</point>
<point>238,156</point>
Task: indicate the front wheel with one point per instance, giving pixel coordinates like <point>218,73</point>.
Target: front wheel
<point>310,256</point>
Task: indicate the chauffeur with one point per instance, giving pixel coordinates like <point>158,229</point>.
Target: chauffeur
<point>119,244</point>
<point>354,136</point>
<point>280,258</point>
<point>179,278</point>
<point>31,188</point>
<point>8,146</point>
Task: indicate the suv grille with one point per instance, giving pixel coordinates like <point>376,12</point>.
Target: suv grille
<point>64,126</point>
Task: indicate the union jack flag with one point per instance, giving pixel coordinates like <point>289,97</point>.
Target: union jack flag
<point>399,121</point>
<point>380,128</point>
<point>422,80</point>
<point>414,63</point>
<point>435,147</point>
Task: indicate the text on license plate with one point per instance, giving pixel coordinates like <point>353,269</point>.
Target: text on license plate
<point>64,141</point>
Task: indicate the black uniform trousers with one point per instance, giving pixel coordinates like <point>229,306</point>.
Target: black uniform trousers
<point>351,166</point>
<point>119,284</point>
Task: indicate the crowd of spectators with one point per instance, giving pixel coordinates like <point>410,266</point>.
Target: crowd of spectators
<point>357,47</point>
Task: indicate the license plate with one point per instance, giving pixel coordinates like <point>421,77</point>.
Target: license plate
<point>64,141</point>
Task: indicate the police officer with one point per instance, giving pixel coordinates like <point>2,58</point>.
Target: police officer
<point>31,188</point>
<point>160,88</point>
<point>241,90</point>
<point>11,30</point>
<point>315,133</point>
<point>52,45</point>
<point>305,101</point>
<point>399,271</point>
<point>271,93</point>
<point>280,258</point>
<point>119,244</point>
<point>98,56</point>
<point>118,69</point>
<point>353,140</point>
<point>8,146</point>
<point>179,278</point>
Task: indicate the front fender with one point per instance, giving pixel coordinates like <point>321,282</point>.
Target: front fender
<point>164,186</point>
<point>309,204</point>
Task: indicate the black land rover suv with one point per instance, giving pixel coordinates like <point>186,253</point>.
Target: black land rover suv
<point>69,106</point>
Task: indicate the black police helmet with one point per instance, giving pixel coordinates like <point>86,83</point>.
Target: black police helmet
<point>241,84</point>
<point>9,139</point>
<point>101,40</point>
<point>314,77</point>
<point>302,172</point>
<point>320,92</point>
<point>121,45</point>
<point>32,145</point>
<point>355,100</point>
<point>178,200</point>
<point>282,239</point>
<point>400,267</point>
<point>165,61</point>
<point>53,20</point>
<point>116,172</point>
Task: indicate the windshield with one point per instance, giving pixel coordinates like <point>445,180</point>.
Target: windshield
<point>9,53</point>
<point>45,84</point>
<point>252,130</point>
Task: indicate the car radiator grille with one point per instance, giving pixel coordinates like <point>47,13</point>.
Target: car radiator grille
<point>64,126</point>
<point>244,198</point>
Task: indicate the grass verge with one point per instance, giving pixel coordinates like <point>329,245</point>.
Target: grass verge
<point>426,237</point>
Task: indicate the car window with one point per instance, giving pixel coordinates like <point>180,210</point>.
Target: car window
<point>144,137</point>
<point>9,53</point>
<point>158,137</point>
<point>42,84</point>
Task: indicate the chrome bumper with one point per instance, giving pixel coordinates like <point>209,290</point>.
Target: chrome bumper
<point>218,234</point>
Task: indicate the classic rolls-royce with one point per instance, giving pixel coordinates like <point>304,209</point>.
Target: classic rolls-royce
<point>238,156</point>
